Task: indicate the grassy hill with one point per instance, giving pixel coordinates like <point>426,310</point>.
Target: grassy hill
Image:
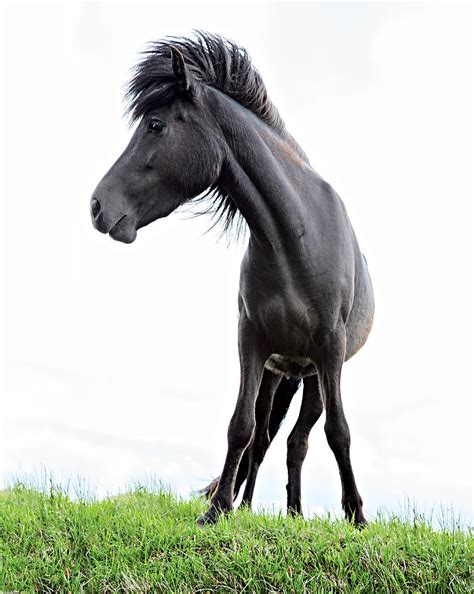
<point>149,542</point>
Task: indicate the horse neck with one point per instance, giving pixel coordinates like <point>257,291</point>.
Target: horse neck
<point>262,173</point>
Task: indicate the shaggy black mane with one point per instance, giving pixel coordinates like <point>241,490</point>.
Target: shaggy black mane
<point>216,62</point>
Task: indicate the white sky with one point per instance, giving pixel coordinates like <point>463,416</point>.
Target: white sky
<point>120,361</point>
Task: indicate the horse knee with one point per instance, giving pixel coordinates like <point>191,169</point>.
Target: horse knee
<point>240,432</point>
<point>337,434</point>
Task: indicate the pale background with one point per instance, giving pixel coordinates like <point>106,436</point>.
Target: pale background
<point>119,361</point>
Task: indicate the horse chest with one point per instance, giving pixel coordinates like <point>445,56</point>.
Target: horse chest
<point>285,320</point>
<point>283,307</point>
<point>285,316</point>
<point>291,317</point>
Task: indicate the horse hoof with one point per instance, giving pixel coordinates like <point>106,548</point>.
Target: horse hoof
<point>210,517</point>
<point>357,519</point>
<point>294,512</point>
<point>361,523</point>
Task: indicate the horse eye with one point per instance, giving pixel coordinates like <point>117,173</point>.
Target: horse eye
<point>156,126</point>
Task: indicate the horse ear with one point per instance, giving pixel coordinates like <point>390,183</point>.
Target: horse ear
<point>181,71</point>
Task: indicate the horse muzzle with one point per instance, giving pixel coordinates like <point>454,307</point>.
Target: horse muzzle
<point>119,226</point>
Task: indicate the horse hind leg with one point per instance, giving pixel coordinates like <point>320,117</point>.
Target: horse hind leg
<point>261,439</point>
<point>311,409</point>
<point>281,402</point>
<point>275,396</point>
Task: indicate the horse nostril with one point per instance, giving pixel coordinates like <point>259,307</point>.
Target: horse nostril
<point>95,207</point>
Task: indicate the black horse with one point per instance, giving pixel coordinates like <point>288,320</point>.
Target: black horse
<point>305,300</point>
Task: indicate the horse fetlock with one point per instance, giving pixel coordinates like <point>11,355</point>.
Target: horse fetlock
<point>353,509</point>
<point>294,510</point>
<point>246,504</point>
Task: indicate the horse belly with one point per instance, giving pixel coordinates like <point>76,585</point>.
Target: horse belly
<point>360,320</point>
<point>291,366</point>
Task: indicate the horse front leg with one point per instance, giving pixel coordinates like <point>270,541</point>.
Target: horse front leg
<point>252,361</point>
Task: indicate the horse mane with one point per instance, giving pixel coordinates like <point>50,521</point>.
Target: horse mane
<point>219,63</point>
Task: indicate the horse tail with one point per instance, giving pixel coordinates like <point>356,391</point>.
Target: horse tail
<point>208,491</point>
<point>281,403</point>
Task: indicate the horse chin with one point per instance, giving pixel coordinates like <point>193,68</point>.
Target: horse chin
<point>124,231</point>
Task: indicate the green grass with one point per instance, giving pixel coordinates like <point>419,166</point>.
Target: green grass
<point>149,542</point>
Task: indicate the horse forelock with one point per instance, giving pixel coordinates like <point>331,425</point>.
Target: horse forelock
<point>214,61</point>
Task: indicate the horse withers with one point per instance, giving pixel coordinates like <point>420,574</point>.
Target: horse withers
<point>206,125</point>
